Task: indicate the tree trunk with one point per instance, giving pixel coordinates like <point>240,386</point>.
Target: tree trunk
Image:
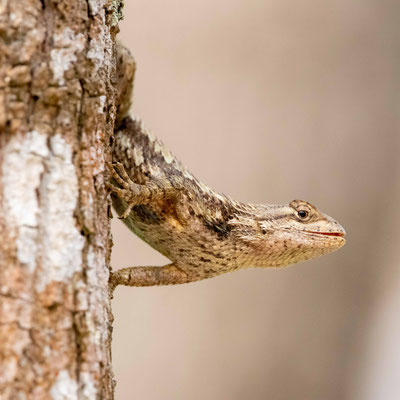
<point>57,111</point>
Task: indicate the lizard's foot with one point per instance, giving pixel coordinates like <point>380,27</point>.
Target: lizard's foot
<point>127,190</point>
<point>118,173</point>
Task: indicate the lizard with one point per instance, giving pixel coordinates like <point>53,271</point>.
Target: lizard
<point>203,233</point>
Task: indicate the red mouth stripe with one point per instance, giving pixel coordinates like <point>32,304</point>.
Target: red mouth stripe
<point>340,234</point>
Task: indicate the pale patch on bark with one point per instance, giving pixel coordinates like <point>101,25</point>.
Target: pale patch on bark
<point>88,388</point>
<point>97,48</point>
<point>97,274</point>
<point>97,156</point>
<point>95,6</point>
<point>94,276</point>
<point>64,388</point>
<point>20,191</point>
<point>100,45</point>
<point>102,100</point>
<point>62,58</point>
<point>62,242</point>
<point>9,370</point>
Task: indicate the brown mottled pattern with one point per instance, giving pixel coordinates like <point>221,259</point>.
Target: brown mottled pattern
<point>205,233</point>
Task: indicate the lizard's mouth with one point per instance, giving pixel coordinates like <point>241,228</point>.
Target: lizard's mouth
<point>339,234</point>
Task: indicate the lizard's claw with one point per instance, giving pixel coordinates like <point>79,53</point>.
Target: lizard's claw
<point>126,212</point>
<point>126,190</point>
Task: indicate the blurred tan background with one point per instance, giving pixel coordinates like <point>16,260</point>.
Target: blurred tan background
<point>269,101</point>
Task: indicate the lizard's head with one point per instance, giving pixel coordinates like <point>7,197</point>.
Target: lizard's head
<point>277,236</point>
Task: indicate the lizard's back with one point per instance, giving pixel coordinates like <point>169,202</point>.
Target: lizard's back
<point>192,229</point>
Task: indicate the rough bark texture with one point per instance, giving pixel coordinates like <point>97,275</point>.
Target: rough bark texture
<point>57,110</point>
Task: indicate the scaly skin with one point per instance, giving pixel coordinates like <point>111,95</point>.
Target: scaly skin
<point>203,233</point>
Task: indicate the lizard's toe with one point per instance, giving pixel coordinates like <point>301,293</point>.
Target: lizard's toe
<point>120,170</point>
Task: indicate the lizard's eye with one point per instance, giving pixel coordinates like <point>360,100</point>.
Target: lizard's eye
<point>303,214</point>
<point>303,211</point>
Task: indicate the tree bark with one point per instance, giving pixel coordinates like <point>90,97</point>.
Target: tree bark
<point>57,111</point>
